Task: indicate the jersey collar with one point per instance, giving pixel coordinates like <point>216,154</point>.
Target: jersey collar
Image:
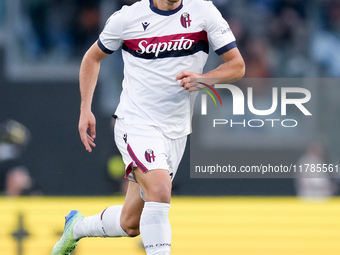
<point>165,13</point>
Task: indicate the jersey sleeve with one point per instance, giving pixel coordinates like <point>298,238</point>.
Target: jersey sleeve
<point>220,36</point>
<point>110,39</point>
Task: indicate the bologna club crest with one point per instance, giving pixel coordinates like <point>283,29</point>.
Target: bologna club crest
<point>185,20</point>
<point>150,156</point>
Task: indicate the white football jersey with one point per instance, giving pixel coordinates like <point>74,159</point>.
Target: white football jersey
<point>158,45</point>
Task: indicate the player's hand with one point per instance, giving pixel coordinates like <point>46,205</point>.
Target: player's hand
<point>186,80</point>
<point>87,121</point>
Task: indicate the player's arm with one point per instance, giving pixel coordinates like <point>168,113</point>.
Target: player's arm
<point>230,71</point>
<point>88,76</point>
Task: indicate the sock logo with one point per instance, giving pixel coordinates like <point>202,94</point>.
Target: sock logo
<point>157,245</point>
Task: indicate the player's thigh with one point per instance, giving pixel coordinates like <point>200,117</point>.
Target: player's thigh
<point>156,184</point>
<point>132,208</point>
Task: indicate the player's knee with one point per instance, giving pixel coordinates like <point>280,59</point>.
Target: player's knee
<point>159,193</point>
<point>130,225</point>
<point>130,228</point>
<point>132,232</point>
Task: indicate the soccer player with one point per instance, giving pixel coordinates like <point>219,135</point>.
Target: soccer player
<point>165,45</point>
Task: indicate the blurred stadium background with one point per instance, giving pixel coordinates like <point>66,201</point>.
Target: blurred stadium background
<point>41,45</point>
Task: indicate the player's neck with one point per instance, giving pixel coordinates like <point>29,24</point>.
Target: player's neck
<point>167,5</point>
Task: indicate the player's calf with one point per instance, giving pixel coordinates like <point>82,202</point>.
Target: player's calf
<point>155,226</point>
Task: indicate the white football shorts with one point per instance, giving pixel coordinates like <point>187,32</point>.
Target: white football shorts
<point>146,147</point>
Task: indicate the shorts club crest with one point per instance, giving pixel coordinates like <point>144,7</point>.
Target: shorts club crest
<point>150,156</point>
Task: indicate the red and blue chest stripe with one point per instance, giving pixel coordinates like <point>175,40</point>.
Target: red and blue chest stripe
<point>176,45</point>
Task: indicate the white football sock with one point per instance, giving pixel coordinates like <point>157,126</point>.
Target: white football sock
<point>105,224</point>
<point>155,228</point>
